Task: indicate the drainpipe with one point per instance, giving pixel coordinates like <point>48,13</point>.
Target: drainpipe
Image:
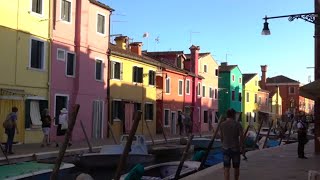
<point>50,31</point>
<point>108,81</point>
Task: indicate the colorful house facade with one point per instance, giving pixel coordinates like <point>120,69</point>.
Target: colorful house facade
<point>132,88</point>
<point>230,88</point>
<point>79,64</point>
<point>250,100</point>
<point>24,64</point>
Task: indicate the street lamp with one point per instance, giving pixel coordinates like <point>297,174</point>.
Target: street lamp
<point>315,19</point>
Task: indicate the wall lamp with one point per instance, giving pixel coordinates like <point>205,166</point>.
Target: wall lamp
<point>309,17</point>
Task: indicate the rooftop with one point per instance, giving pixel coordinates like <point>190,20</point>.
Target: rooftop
<point>248,77</point>
<point>281,79</point>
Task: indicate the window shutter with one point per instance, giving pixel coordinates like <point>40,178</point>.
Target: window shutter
<point>112,69</point>
<point>121,70</point>
<point>140,75</point>
<point>134,74</point>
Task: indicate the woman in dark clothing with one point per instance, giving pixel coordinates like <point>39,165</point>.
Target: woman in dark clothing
<point>46,125</point>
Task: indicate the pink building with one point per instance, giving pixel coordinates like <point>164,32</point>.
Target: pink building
<point>79,63</point>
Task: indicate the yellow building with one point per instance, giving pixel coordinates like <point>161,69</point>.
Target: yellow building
<point>250,100</point>
<point>276,105</point>
<point>132,87</point>
<point>24,64</point>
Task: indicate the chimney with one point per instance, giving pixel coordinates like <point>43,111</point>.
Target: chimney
<point>263,76</point>
<point>194,59</point>
<point>224,64</point>
<point>136,47</point>
<point>121,42</point>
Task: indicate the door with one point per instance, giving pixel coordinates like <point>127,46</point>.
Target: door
<point>129,108</point>
<point>61,102</point>
<point>97,113</point>
<point>173,123</point>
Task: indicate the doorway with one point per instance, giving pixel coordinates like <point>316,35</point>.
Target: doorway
<point>173,122</point>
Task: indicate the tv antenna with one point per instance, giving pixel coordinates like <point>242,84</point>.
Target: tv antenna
<point>157,40</point>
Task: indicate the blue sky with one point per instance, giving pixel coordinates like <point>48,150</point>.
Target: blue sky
<point>224,27</point>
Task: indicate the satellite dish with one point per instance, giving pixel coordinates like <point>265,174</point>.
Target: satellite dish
<point>145,35</point>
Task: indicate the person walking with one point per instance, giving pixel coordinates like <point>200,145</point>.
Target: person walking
<point>302,135</point>
<point>46,125</point>
<point>180,124</point>
<point>11,128</point>
<point>232,140</point>
<point>63,124</point>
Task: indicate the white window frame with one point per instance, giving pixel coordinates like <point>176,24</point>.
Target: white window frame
<point>180,80</point>
<point>166,85</point>
<point>121,67</point>
<point>64,21</point>
<point>203,90</point>
<point>105,22</point>
<point>164,117</point>
<point>205,68</point>
<point>44,54</point>
<point>95,69</point>
<point>216,72</point>
<point>152,110</point>
<point>64,54</point>
<point>188,89</point>
<point>36,14</point>
<point>212,92</point>
<point>199,89</point>
<point>55,104</point>
<point>115,120</point>
<point>74,64</point>
<point>102,129</point>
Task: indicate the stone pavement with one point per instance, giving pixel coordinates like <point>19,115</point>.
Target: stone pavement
<point>279,163</point>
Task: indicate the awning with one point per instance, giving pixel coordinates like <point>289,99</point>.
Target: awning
<point>311,90</point>
<point>14,92</point>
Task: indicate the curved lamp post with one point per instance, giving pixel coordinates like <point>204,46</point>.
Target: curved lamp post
<point>315,19</point>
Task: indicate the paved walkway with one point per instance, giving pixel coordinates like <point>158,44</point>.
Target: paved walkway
<point>280,163</point>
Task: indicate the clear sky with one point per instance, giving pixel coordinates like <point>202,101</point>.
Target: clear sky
<point>229,29</point>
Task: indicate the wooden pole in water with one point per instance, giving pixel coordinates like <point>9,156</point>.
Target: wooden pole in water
<point>210,145</point>
<point>265,142</point>
<point>122,162</point>
<point>67,137</point>
<point>86,136</point>
<point>283,133</point>
<point>5,154</point>
<point>112,134</point>
<point>291,126</point>
<point>149,131</point>
<point>257,137</point>
<point>183,158</point>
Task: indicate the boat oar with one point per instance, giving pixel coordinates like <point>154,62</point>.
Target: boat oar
<point>123,158</point>
<point>67,137</point>
<point>183,158</point>
<point>206,154</point>
<point>5,154</point>
<point>86,136</point>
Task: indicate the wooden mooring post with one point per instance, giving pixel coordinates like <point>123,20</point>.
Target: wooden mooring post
<point>86,136</point>
<point>67,137</point>
<point>123,158</point>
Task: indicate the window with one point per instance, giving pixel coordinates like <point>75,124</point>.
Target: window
<point>167,85</point>
<point>166,117</point>
<point>33,110</point>
<point>137,106</point>
<point>259,100</point>
<point>199,89</point>
<point>116,70</point>
<point>291,90</point>
<point>248,116</point>
<point>37,6</point>
<point>267,101</point>
<point>117,110</point>
<point>179,62</point>
<point>233,96</point>
<point>37,54</point>
<point>66,10</point>
<point>216,93</point>
<point>188,86</point>
<point>152,77</point>
<point>240,97</point>
<point>101,24</point>
<point>137,74</point>
<point>240,80</point>
<point>99,70</point>
<point>205,116</point>
<point>70,65</point>
<point>217,72</point>
<point>210,92</point>
<point>180,87</point>
<point>203,91</point>
<point>61,101</point>
<point>97,118</point>
<point>148,114</point>
<point>61,54</point>
<point>248,97</point>
<point>205,68</point>
<point>233,78</point>
<point>254,117</point>
<point>255,98</point>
